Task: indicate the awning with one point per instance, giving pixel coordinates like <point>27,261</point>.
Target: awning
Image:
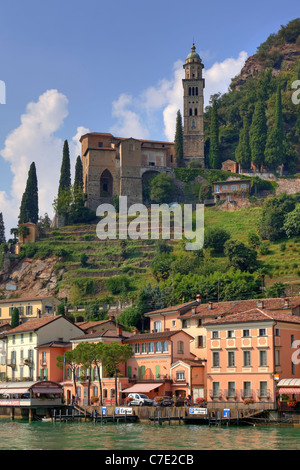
<point>141,388</point>
<point>289,390</point>
<point>7,391</point>
<point>47,390</point>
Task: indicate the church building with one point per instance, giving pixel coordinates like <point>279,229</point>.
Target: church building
<point>123,166</point>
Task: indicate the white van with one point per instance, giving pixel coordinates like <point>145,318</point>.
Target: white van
<point>138,399</point>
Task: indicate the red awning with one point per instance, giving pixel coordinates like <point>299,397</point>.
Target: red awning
<point>289,390</point>
<point>141,388</point>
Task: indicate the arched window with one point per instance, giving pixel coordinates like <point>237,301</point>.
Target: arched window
<point>196,91</point>
<point>191,112</point>
<point>196,111</point>
<point>180,347</point>
<point>106,184</point>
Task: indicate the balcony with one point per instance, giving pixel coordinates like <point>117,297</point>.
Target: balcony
<point>150,377</point>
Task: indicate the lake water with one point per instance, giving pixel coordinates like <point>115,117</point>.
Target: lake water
<point>17,435</point>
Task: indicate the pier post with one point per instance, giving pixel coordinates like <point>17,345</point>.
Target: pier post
<point>169,417</point>
<point>12,414</point>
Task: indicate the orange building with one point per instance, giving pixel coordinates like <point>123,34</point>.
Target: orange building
<point>158,365</point>
<point>247,354</point>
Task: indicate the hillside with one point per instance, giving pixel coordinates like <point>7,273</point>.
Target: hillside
<point>55,264</point>
<point>276,64</point>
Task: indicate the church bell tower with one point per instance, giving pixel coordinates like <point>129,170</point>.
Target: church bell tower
<point>193,132</point>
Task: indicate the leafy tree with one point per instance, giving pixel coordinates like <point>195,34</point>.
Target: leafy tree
<point>274,211</point>
<point>243,150</point>
<point>258,134</point>
<point>29,211</point>
<point>69,359</point>
<point>178,141</point>
<point>61,309</point>
<point>84,355</point>
<point>276,290</point>
<point>291,224</point>
<point>161,266</point>
<point>114,354</point>
<point>130,316</point>
<point>214,154</point>
<point>254,240</point>
<point>162,189</point>
<point>118,284</point>
<point>15,318</point>
<point>240,256</point>
<point>2,230</point>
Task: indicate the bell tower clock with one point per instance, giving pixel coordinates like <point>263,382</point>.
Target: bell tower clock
<point>193,132</point>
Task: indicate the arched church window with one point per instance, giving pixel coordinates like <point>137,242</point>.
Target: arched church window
<point>191,112</point>
<point>196,111</point>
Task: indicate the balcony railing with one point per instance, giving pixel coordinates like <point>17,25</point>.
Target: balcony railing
<point>150,377</point>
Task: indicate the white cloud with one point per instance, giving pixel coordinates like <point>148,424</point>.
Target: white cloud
<point>128,121</point>
<point>35,141</point>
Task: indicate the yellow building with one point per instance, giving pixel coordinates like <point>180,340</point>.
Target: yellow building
<point>29,307</point>
<point>22,343</point>
<point>30,235</point>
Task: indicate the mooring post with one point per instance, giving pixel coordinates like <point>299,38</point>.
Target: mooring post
<point>169,417</point>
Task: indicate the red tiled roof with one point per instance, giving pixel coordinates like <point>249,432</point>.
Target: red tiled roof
<point>255,315</point>
<point>32,325</point>
<point>236,306</point>
<point>160,335</point>
<point>173,308</point>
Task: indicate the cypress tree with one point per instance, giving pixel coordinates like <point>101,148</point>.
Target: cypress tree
<point>78,180</point>
<point>2,230</point>
<point>15,318</point>
<point>29,209</point>
<point>178,141</point>
<point>243,151</point>
<point>65,170</point>
<point>214,154</point>
<point>258,134</point>
<point>274,152</point>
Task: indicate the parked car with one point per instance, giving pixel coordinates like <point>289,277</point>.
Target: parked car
<point>138,399</point>
<point>163,401</point>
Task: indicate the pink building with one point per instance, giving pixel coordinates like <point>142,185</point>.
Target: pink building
<point>161,364</point>
<point>248,353</point>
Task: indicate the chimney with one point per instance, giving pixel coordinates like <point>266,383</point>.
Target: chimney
<point>198,298</point>
<point>260,303</point>
<point>286,302</point>
<point>112,317</point>
<point>210,305</point>
<point>193,311</point>
<point>119,330</point>
<point>135,331</point>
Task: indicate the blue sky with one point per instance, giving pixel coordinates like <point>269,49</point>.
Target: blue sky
<point>71,67</point>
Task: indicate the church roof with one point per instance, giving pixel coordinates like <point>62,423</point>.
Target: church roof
<point>193,54</point>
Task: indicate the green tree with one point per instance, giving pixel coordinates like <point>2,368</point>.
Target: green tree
<point>178,141</point>
<point>84,356</point>
<point>215,239</point>
<point>258,134</point>
<point>78,179</point>
<point>69,360</point>
<point>15,318</point>
<point>214,153</point>
<point>65,170</point>
<point>162,189</point>
<point>2,230</point>
<point>243,151</point>
<point>274,152</point>
<point>291,224</point>
<point>29,210</point>
<point>114,354</point>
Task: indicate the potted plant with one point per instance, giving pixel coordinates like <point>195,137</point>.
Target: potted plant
<point>291,403</point>
<point>200,401</point>
<point>94,400</point>
<point>158,399</point>
<point>248,401</point>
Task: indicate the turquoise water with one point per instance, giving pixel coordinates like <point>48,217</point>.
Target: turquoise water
<point>18,435</point>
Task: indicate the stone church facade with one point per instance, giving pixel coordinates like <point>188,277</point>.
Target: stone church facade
<point>118,166</point>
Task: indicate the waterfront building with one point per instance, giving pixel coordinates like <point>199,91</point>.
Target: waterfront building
<point>191,317</point>
<point>84,376</point>
<point>248,353</point>
<point>22,345</point>
<point>29,308</point>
